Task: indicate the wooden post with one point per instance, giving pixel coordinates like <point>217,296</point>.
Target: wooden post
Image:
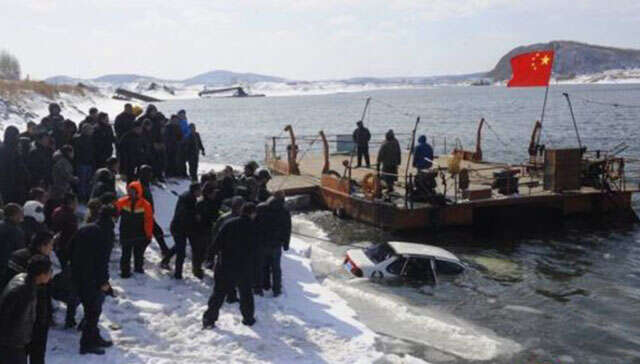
<point>325,145</point>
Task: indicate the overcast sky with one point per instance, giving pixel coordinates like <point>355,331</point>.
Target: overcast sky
<point>297,39</point>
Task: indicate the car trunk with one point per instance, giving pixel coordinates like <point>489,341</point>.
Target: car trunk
<point>359,262</point>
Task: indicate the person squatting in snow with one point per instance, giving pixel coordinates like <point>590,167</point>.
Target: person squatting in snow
<point>234,226</point>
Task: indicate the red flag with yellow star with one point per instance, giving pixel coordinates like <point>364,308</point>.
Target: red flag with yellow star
<point>531,69</point>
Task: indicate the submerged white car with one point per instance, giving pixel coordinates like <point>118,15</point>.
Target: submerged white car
<point>399,259</point>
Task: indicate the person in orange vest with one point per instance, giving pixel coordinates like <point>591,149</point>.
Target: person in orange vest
<point>136,228</point>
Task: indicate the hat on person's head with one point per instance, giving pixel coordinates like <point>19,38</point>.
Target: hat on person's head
<point>359,123</point>
<point>34,209</point>
<point>422,139</point>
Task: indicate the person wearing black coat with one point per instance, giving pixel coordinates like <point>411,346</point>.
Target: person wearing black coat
<point>103,140</point>
<point>40,160</point>
<point>83,149</point>
<point>33,222</point>
<point>173,139</point>
<point>193,149</point>
<point>91,119</point>
<point>54,125</point>
<point>183,225</point>
<point>14,176</point>
<point>234,246</point>
<point>104,182</point>
<point>18,310</point>
<point>263,228</point>
<point>158,126</point>
<point>131,151</point>
<point>361,137</point>
<point>11,236</point>
<point>91,248</point>
<point>147,142</point>
<point>31,132</point>
<point>41,244</point>
<point>277,239</point>
<point>124,121</point>
<point>209,210</point>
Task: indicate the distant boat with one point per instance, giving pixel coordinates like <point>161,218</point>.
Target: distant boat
<point>237,92</point>
<point>482,82</point>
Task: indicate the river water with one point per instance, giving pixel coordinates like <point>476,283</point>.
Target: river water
<point>570,293</point>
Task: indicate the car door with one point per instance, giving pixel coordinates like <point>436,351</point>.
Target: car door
<point>419,269</point>
<point>395,267</point>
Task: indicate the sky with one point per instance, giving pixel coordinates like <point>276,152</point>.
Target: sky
<point>297,39</point>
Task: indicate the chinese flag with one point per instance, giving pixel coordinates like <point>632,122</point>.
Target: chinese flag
<point>531,69</point>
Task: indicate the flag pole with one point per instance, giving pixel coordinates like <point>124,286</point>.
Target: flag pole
<point>544,106</point>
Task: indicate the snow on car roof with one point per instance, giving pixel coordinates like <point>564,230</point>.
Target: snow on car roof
<point>402,248</point>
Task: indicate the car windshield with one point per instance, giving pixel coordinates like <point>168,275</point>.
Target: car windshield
<point>379,253</point>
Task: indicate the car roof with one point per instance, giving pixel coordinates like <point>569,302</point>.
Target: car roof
<point>413,249</point>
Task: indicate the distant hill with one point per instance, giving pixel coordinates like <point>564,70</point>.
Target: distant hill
<point>62,80</point>
<point>573,58</point>
<point>125,78</point>
<point>217,77</point>
<point>221,77</point>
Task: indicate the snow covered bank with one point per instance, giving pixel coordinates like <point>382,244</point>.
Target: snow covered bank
<point>161,317</point>
<point>33,107</point>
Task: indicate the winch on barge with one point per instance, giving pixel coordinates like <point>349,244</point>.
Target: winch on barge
<point>461,189</point>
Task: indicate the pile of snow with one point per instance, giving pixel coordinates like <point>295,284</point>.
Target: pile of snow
<point>33,107</point>
<point>606,77</point>
<point>161,317</point>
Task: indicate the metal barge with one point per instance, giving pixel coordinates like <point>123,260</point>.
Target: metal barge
<point>466,190</point>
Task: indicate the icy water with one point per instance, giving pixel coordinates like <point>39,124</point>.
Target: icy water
<point>567,294</point>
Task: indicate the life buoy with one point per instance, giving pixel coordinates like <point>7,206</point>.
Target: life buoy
<point>371,186</point>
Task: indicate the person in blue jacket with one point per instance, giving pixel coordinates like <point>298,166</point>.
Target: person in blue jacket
<point>423,155</point>
<point>184,144</point>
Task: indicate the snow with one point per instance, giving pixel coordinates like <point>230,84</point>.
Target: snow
<point>161,317</point>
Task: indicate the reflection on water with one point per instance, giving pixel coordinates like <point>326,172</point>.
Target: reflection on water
<point>534,295</point>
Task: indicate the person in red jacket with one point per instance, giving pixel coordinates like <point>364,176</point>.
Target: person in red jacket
<point>136,228</point>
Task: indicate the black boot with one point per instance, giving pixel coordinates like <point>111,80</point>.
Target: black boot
<point>70,319</point>
<point>125,274</point>
<point>91,349</point>
<point>103,343</point>
<point>198,273</point>
<point>164,264</point>
<point>207,321</point>
<point>249,322</point>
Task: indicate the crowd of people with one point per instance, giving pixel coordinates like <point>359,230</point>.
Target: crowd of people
<point>233,224</point>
